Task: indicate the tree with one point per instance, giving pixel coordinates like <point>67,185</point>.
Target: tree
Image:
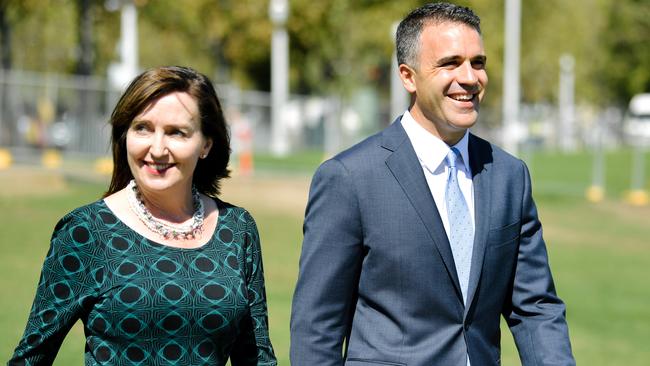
<point>336,46</point>
<point>5,37</point>
<point>625,68</point>
<point>85,32</point>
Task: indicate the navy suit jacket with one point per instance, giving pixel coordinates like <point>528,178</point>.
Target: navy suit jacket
<point>377,282</point>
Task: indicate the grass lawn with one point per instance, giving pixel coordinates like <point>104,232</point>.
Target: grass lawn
<point>599,253</point>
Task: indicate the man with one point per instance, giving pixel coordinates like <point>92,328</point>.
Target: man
<point>417,239</point>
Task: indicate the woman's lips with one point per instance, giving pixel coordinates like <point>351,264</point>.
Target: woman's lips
<point>158,168</point>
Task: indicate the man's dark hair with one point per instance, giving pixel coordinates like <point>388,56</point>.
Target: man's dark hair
<point>409,29</point>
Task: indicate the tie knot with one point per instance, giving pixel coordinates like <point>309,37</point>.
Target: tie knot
<point>452,157</point>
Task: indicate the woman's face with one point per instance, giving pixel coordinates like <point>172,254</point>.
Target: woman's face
<point>164,143</point>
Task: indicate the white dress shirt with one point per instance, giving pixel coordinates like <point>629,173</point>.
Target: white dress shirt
<point>432,151</point>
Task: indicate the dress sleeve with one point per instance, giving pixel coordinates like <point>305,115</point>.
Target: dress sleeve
<point>67,287</point>
<point>253,345</point>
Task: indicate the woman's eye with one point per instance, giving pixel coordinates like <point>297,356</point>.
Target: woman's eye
<point>139,128</point>
<point>178,133</point>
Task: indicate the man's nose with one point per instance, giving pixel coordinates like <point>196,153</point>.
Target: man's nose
<point>467,74</point>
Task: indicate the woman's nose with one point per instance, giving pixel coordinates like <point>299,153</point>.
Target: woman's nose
<point>158,145</point>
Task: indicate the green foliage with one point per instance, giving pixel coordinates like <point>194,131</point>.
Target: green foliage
<point>338,46</point>
<point>625,69</point>
<point>327,42</point>
<point>37,29</point>
<point>236,34</point>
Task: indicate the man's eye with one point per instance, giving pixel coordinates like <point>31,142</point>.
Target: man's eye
<point>478,64</point>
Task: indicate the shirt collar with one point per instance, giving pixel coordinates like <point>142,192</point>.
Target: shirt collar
<point>430,150</point>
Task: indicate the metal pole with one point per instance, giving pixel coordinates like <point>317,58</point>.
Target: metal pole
<point>278,12</point>
<point>638,168</point>
<point>332,137</point>
<point>122,72</point>
<point>129,42</point>
<point>637,195</point>
<point>399,97</point>
<point>566,105</point>
<point>596,192</point>
<point>511,92</point>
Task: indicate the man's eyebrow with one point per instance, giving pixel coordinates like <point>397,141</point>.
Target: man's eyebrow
<point>456,58</point>
<point>448,59</point>
<point>482,58</point>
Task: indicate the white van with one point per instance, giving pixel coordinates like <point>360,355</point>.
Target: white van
<point>637,120</point>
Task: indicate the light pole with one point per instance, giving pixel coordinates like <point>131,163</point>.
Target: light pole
<point>596,192</point>
<point>566,105</point>
<point>637,195</point>
<point>279,12</point>
<point>511,92</point>
<point>399,97</point>
<point>120,74</point>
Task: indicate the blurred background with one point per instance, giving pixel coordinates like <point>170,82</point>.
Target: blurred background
<point>300,80</point>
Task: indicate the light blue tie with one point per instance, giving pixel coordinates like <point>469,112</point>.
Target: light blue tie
<point>461,230</point>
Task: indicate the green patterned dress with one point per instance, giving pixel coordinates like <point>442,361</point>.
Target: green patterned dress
<point>144,303</point>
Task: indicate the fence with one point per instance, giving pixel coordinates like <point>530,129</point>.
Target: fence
<point>70,113</point>
<point>52,111</point>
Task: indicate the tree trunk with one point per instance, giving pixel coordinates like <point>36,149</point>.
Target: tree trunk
<point>7,127</point>
<point>85,29</point>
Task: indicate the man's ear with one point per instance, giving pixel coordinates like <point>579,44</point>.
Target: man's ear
<point>407,74</point>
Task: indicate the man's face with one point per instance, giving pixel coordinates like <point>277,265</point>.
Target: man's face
<point>449,81</point>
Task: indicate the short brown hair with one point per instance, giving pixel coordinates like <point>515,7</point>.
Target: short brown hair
<point>149,87</point>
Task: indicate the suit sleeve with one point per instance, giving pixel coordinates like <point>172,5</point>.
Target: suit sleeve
<point>536,315</point>
<point>330,262</point>
<point>68,285</point>
<point>253,345</point>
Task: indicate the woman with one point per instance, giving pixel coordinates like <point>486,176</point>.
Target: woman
<point>160,271</point>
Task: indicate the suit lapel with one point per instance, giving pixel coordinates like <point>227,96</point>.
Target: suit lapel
<point>480,157</point>
<point>405,167</point>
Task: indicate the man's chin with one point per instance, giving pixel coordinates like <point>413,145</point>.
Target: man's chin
<point>463,123</point>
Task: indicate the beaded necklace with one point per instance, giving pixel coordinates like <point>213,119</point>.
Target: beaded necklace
<point>166,230</point>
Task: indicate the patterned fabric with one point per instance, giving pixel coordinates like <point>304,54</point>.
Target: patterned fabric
<point>461,231</point>
<point>144,303</point>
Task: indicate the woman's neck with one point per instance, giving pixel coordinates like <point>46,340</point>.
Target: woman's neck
<point>171,206</point>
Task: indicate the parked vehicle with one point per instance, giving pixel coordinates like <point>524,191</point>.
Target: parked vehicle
<point>636,126</point>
